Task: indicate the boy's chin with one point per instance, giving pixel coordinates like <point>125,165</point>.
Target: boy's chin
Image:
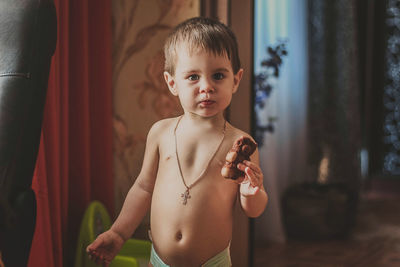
<point>207,114</point>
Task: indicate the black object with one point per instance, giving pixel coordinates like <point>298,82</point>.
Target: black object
<point>28,34</point>
<point>313,211</point>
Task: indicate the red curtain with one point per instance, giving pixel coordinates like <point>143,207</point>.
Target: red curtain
<point>74,164</point>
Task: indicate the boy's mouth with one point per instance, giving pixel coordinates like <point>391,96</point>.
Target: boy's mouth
<point>206,102</point>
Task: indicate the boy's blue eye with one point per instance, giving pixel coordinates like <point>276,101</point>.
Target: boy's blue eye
<point>218,76</point>
<point>193,77</point>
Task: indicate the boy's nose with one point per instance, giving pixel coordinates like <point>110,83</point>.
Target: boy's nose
<point>206,87</point>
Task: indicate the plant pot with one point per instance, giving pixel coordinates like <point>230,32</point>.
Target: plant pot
<point>313,211</point>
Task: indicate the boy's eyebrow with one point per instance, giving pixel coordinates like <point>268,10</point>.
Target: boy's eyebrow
<point>190,71</point>
<point>221,70</point>
<point>196,70</point>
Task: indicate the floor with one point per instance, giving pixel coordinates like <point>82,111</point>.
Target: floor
<point>375,241</point>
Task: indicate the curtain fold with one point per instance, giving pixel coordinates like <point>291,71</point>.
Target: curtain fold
<point>280,22</point>
<point>74,164</point>
<point>334,93</point>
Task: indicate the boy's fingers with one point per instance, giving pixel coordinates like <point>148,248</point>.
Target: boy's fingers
<point>241,166</point>
<point>252,177</point>
<point>253,180</point>
<point>253,173</point>
<point>95,256</point>
<point>253,166</point>
<point>250,174</point>
<point>96,243</point>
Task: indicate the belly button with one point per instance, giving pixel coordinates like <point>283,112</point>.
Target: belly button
<point>179,236</point>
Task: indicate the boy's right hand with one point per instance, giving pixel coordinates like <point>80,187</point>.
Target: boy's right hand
<point>105,247</point>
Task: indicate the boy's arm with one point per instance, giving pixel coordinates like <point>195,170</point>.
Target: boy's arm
<point>135,207</point>
<point>253,197</point>
<point>138,199</point>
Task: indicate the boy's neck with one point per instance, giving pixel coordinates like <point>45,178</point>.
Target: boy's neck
<point>214,122</point>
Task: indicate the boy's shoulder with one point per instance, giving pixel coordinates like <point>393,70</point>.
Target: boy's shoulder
<point>234,133</point>
<point>162,126</point>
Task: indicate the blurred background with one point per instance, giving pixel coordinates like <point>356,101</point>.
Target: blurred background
<point>320,94</point>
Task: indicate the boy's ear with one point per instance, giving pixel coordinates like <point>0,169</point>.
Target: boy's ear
<point>236,80</point>
<point>169,79</point>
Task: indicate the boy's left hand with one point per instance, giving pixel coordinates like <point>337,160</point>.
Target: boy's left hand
<point>251,183</point>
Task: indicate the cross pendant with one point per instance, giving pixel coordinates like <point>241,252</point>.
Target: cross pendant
<point>185,196</point>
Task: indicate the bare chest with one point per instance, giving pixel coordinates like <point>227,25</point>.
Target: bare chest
<point>192,165</point>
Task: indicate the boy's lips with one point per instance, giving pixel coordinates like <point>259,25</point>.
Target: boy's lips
<point>206,102</point>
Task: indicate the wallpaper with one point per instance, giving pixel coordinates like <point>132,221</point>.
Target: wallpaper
<point>140,95</point>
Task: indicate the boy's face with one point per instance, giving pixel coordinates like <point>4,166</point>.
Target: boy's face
<point>204,82</point>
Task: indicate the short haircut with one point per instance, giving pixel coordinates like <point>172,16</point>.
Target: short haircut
<point>202,33</point>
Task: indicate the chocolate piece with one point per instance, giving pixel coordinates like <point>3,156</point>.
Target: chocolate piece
<point>241,150</point>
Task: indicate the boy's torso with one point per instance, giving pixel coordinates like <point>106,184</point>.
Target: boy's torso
<point>191,234</point>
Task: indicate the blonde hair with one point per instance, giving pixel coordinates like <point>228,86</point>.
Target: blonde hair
<point>205,34</point>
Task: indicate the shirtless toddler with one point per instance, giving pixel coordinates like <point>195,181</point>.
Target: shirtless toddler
<point>191,203</point>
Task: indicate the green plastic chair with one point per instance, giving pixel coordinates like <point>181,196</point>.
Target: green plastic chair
<point>96,220</point>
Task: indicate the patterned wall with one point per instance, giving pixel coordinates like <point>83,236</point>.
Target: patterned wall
<point>140,95</point>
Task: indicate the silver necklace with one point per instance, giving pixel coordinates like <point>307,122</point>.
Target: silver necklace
<point>186,195</point>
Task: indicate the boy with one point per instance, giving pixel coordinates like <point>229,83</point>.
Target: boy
<point>191,203</point>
